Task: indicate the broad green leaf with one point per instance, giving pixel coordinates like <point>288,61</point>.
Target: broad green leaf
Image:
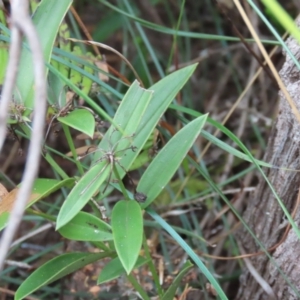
<point>81,120</point>
<point>114,269</point>
<point>143,108</point>
<point>167,161</point>
<point>217,141</point>
<point>170,293</point>
<point>118,142</point>
<point>112,142</point>
<point>128,117</point>
<point>46,19</point>
<point>45,186</point>
<point>86,227</point>
<point>83,191</point>
<point>55,269</point>
<point>127,226</point>
<point>133,107</point>
<point>164,93</point>
<point>41,189</point>
<point>136,106</point>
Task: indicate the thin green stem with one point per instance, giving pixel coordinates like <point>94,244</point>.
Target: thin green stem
<point>175,35</point>
<point>138,287</point>
<point>72,147</point>
<point>102,246</point>
<point>123,189</point>
<point>55,166</point>
<point>41,214</point>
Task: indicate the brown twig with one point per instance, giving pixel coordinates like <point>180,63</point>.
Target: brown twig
<point>238,33</point>
<point>95,48</point>
<point>114,51</point>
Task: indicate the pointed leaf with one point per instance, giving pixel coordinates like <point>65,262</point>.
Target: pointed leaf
<point>164,93</point>
<point>128,117</point>
<point>83,191</point>
<point>81,120</point>
<point>127,226</point>
<point>167,161</point>
<point>55,269</point>
<point>114,269</point>
<point>133,107</point>
<point>113,138</point>
<point>47,19</point>
<point>45,186</point>
<point>42,188</point>
<point>86,227</point>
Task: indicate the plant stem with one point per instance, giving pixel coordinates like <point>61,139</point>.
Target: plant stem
<point>55,166</point>
<point>138,287</point>
<point>72,147</point>
<point>123,189</point>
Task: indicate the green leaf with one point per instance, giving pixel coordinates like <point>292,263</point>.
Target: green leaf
<point>127,226</point>
<point>128,117</point>
<point>92,180</point>
<point>170,293</point>
<point>3,60</point>
<point>283,18</point>
<point>135,107</point>
<point>81,120</point>
<point>138,115</point>
<point>46,19</point>
<point>217,141</point>
<point>55,269</point>
<point>83,191</point>
<point>4,217</point>
<point>164,93</point>
<point>114,269</point>
<point>41,189</point>
<point>141,160</point>
<point>86,227</point>
<point>167,161</point>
